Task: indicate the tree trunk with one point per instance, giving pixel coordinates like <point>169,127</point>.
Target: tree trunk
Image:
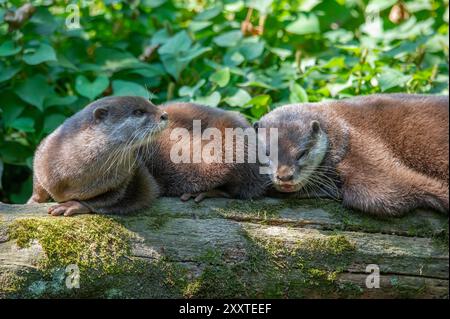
<point>223,248</point>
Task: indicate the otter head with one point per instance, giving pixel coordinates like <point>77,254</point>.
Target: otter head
<point>302,146</point>
<point>127,120</point>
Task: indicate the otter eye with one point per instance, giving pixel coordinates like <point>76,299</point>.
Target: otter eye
<point>301,154</point>
<point>138,112</point>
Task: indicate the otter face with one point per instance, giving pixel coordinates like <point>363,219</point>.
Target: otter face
<point>132,121</point>
<point>301,149</point>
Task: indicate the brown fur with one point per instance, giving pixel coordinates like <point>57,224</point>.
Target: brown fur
<point>241,180</point>
<point>386,155</point>
<point>92,159</point>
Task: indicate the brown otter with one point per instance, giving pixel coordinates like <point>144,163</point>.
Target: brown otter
<point>239,179</point>
<point>94,161</point>
<point>382,154</point>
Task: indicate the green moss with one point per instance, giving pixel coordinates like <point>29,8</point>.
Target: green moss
<point>10,283</point>
<point>273,270</point>
<point>94,243</point>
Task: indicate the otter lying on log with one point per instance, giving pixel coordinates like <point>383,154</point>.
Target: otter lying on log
<point>114,157</point>
<point>381,154</point>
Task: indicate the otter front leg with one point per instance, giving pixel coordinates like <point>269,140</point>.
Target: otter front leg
<point>392,191</point>
<point>135,194</point>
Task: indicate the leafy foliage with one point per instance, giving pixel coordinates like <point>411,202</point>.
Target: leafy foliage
<point>206,51</point>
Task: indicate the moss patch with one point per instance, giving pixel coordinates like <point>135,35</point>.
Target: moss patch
<point>273,270</point>
<point>91,242</point>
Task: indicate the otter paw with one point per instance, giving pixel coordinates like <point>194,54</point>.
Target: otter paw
<point>69,208</point>
<point>198,197</point>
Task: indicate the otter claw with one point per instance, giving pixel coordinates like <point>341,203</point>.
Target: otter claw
<point>69,208</point>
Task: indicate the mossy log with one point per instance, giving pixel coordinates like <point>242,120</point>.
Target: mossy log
<point>223,248</point>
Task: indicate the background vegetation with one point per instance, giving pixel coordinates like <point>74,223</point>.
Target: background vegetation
<point>248,55</point>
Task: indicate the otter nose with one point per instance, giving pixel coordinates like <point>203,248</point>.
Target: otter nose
<point>164,116</point>
<point>285,177</point>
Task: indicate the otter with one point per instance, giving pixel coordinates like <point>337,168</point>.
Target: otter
<point>94,161</point>
<point>204,178</point>
<point>383,154</point>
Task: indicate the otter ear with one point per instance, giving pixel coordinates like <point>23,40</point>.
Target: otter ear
<point>256,126</point>
<point>315,127</point>
<point>100,113</point>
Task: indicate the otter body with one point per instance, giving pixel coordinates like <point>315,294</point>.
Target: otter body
<point>382,154</point>
<point>203,179</point>
<point>93,163</point>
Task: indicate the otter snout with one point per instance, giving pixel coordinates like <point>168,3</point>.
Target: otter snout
<point>285,174</point>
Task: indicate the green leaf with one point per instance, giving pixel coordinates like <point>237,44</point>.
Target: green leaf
<point>153,3</point>
<point>263,6</point>
<point>34,90</point>
<point>212,100</point>
<point>126,88</point>
<point>305,24</point>
<point>390,78</point>
<point>8,48</point>
<point>90,89</point>
<point>228,39</point>
<point>60,100</point>
<point>298,94</point>
<point>52,121</point>
<point>191,90</point>
<point>259,105</point>
<point>43,53</point>
<point>240,98</point>
<point>221,77</point>
<point>8,73</point>
<point>25,124</point>
<point>209,14</point>
<point>15,153</point>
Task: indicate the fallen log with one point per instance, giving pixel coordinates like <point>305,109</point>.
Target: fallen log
<point>223,248</point>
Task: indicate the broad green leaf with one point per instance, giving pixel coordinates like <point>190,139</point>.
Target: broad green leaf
<point>221,77</point>
<point>191,90</point>
<point>212,100</point>
<point>298,94</point>
<point>305,24</point>
<point>251,50</point>
<point>34,90</point>
<point>25,124</point>
<point>60,100</point>
<point>336,88</point>
<point>39,55</point>
<point>259,105</point>
<point>152,3</point>
<point>90,89</point>
<point>390,78</point>
<point>228,39</point>
<point>15,153</point>
<point>179,42</point>
<point>209,14</point>
<point>240,98</point>
<point>124,88</point>
<point>52,121</point>
<point>8,48</point>
<point>8,73</point>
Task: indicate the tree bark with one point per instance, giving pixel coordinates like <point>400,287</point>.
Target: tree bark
<point>224,248</point>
